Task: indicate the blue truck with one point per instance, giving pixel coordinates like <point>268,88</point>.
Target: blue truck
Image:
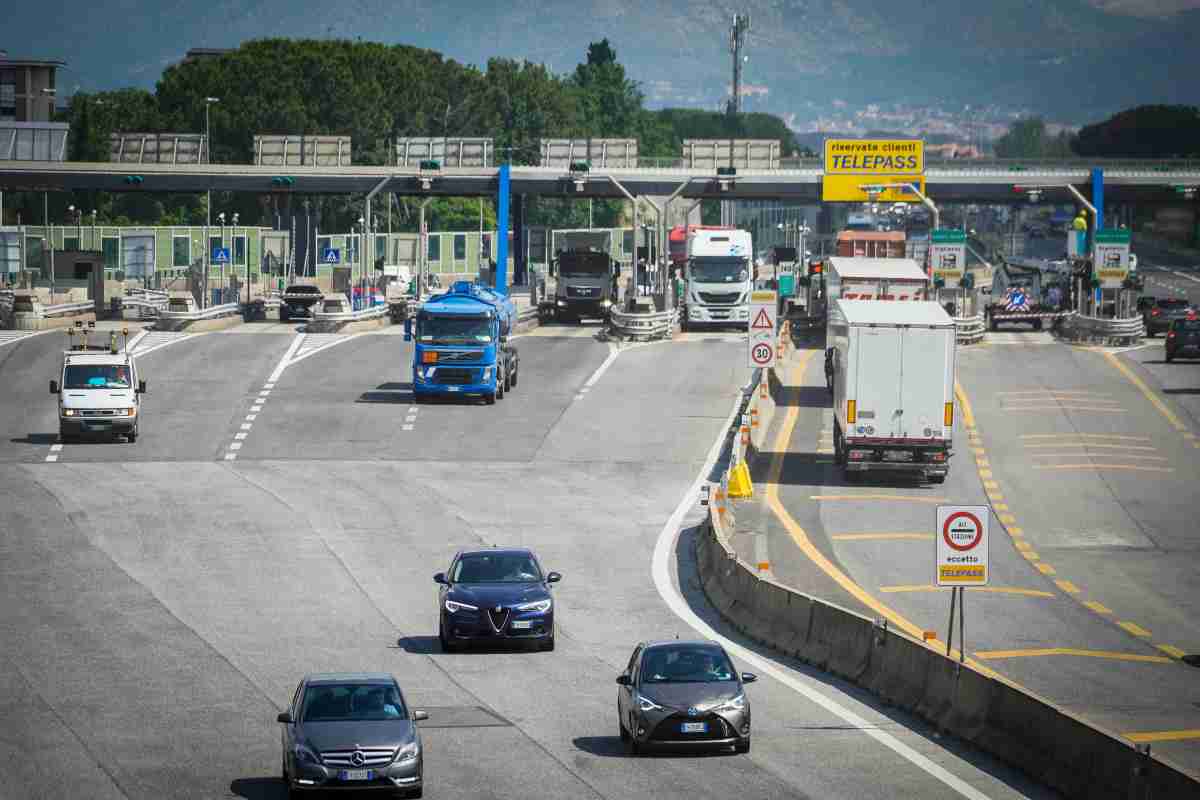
<point>461,344</point>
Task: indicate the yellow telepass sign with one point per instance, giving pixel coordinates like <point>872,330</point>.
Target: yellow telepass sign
<point>849,188</point>
<point>874,156</point>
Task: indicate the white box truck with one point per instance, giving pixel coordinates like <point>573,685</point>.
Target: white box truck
<point>893,387</point>
<point>875,279</point>
<point>718,278</point>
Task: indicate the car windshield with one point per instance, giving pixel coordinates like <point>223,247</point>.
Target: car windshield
<point>499,568</point>
<point>303,290</point>
<point>353,701</point>
<point>455,329</point>
<point>719,270</point>
<point>1188,325</point>
<point>686,665</point>
<point>96,376</point>
<point>1172,303</point>
<point>583,265</point>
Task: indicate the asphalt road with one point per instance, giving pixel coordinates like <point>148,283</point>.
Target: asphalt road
<point>161,599</point>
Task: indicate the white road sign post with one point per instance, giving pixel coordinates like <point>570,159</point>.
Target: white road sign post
<point>961,536</point>
<point>763,347</point>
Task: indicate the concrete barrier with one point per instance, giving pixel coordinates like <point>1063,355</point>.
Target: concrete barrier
<point>1051,745</point>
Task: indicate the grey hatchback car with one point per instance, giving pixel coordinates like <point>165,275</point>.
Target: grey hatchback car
<point>351,731</point>
<point>683,694</point>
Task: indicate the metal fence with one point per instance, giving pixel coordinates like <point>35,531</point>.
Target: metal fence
<point>447,151</point>
<point>33,141</point>
<point>276,150</point>
<point>158,148</point>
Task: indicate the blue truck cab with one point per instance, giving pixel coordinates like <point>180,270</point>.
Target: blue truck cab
<point>460,344</point>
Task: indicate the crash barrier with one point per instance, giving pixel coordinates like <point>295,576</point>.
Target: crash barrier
<point>969,330</point>
<point>1099,330</point>
<point>330,321</point>
<point>66,309</point>
<point>652,325</point>
<point>179,320</point>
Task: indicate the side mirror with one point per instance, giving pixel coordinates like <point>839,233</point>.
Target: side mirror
<point>441,578</point>
<point>553,577</point>
<point>622,680</point>
<point>408,329</point>
<point>141,387</point>
<point>749,677</point>
<point>54,387</point>
<point>285,718</point>
<point>420,715</point>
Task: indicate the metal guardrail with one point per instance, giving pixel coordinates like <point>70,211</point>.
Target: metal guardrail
<point>653,325</point>
<point>68,308</point>
<point>969,330</point>
<point>208,313</point>
<point>352,316</point>
<point>1101,330</point>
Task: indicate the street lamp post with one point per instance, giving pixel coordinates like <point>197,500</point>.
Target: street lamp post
<point>221,222</point>
<point>208,101</point>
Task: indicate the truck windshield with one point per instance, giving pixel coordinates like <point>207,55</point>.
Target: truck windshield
<point>594,265</point>
<point>710,269</point>
<point>455,329</point>
<point>96,376</point>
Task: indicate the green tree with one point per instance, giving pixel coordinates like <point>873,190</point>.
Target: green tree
<point>1028,138</point>
<point>523,103</point>
<point>609,103</point>
<point>1143,132</point>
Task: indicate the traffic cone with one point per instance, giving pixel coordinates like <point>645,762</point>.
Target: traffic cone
<point>739,481</point>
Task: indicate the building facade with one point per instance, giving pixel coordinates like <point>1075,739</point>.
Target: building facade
<point>27,89</point>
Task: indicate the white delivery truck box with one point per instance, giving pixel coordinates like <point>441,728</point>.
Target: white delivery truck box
<point>891,368</point>
<point>875,279</point>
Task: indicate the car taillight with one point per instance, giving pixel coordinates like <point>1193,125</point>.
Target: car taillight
<point>1171,335</point>
<point>1155,313</point>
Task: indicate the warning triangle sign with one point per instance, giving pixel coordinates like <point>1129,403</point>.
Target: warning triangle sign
<point>762,321</point>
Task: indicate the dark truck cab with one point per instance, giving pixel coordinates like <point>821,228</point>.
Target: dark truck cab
<point>586,284</point>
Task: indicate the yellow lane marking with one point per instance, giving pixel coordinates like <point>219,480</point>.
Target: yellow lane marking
<point>985,473</point>
<point>979,451</point>
<point>1099,608</point>
<point>1189,435</point>
<point>1031,555</point>
<point>1174,652</point>
<point>967,414</point>
<point>1135,629</point>
<point>974,589</point>
<point>1067,587</point>
<point>857,537</point>
<point>1133,467</point>
<point>1130,456</point>
<point>980,461</point>
<point>1146,392</point>
<point>1023,545</point>
<point>1013,530</point>
<point>1162,736</point>
<point>991,485</point>
<point>1007,519</point>
<point>800,537</point>
<point>878,497</point>
<point>1082,436</point>
<point>1044,568</point>
<point>1070,651</point>
<point>1090,446</point>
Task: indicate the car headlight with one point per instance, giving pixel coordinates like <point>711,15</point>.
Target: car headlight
<point>735,704</point>
<point>487,374</point>
<point>562,303</point>
<point>407,752</point>
<point>68,412</point>
<point>646,704</point>
<point>129,412</point>
<point>453,606</point>
<point>540,606</point>
<point>605,303</point>
<point>306,755</point>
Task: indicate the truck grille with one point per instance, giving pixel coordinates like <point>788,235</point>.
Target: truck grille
<point>368,757</point>
<point>582,291</point>
<point>459,356</point>
<point>454,375</point>
<point>722,298</point>
<point>98,412</point>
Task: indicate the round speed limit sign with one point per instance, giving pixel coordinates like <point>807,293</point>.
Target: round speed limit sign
<point>762,353</point>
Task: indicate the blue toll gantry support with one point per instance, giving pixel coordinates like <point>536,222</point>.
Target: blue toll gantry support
<point>1098,196</point>
<point>500,278</point>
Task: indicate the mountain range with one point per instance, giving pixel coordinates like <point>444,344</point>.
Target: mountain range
<point>1071,61</point>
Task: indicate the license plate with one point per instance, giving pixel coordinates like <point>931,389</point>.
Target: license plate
<point>522,624</point>
<point>694,727</point>
<point>897,455</point>
<point>356,774</point>
<point>97,426</point>
<point>452,388</point>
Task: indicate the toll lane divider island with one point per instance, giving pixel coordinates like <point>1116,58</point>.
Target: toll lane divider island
<point>1051,745</point>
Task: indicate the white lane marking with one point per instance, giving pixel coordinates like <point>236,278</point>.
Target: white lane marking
<point>230,456</point>
<point>251,417</point>
<point>268,386</point>
<point>8,337</point>
<point>256,408</point>
<point>54,448</point>
<point>239,436</point>
<point>247,426</point>
<point>613,352</point>
<point>408,427</point>
<point>1192,278</point>
<point>411,418</point>
<point>157,340</point>
<point>317,342</point>
<point>661,571</point>
<point>235,445</point>
<point>264,393</point>
<point>413,409</point>
<point>52,457</point>
<point>287,357</point>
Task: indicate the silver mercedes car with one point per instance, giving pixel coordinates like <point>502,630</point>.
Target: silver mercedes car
<point>351,731</point>
<point>683,694</point>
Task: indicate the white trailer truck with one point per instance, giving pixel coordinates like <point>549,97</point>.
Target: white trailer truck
<point>875,279</point>
<point>719,278</point>
<point>893,387</point>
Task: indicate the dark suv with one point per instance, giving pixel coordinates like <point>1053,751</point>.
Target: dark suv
<point>1183,338</point>
<point>298,301</point>
<point>1159,312</point>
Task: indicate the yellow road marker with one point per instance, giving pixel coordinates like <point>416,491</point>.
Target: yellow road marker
<point>1044,568</point>
<point>1067,587</point>
<point>1030,555</point>
<point>858,537</point>
<point>1174,652</point>
<point>1132,467</point>
<point>1146,392</point>
<point>1070,651</point>
<point>995,496</point>
<point>985,473</point>
<point>1099,608</point>
<point>968,414</point>
<point>1013,530</point>
<point>974,589</point>
<point>991,485</point>
<point>833,497</point>
<point>1023,545</point>
<point>1135,629</point>
<point>1089,446</point>
<point>1162,736</point>
<point>980,461</point>
<point>1007,519</point>
<point>1083,436</point>
<point>979,451</point>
